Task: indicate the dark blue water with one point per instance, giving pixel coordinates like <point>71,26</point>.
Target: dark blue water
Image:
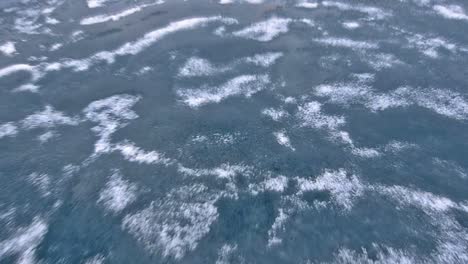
<point>233,131</point>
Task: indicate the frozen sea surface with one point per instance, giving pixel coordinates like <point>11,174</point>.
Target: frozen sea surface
<point>233,131</point>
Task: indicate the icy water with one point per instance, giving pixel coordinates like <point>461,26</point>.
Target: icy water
<point>233,131</point>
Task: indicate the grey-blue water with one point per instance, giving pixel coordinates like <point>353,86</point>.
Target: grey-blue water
<point>233,131</point>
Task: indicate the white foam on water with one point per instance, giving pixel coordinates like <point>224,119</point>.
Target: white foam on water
<point>277,227</point>
<point>429,46</point>
<point>451,11</point>
<point>24,242</point>
<point>226,253</point>
<point>366,152</point>
<point>129,48</point>
<point>41,181</point>
<point>426,201</point>
<point>227,2</point>
<point>265,30</point>
<point>311,116</point>
<point>344,189</point>
<point>283,139</point>
<point>224,171</point>
<point>52,21</point>
<point>28,87</point>
<point>382,61</point>
<point>117,194</point>
<point>8,129</point>
<point>196,66</point>
<point>48,118</point>
<point>384,255</point>
<point>444,102</point>
<point>111,114</point>
<point>114,17</point>
<point>397,146</point>
<point>135,154</point>
<point>8,70</point>
<point>351,24</point>
<point>270,184</point>
<point>244,85</point>
<point>144,70</point>
<point>451,167</point>
<point>346,43</point>
<point>308,5</point>
<point>370,11</point>
<point>46,136</point>
<point>55,47</point>
<point>264,59</point>
<point>450,236</point>
<point>275,114</point>
<point>8,48</point>
<point>174,225</point>
<point>98,259</point>
<point>96,3</point>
